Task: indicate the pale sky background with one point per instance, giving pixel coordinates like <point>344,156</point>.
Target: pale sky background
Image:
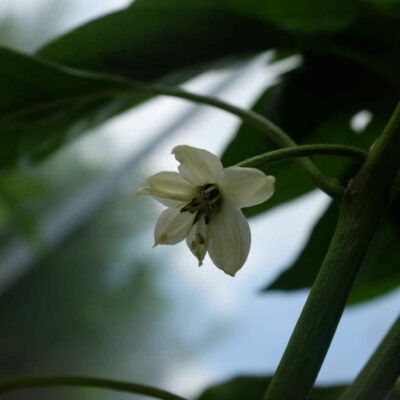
<point>260,325</point>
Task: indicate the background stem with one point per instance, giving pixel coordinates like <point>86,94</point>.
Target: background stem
<point>364,203</point>
<point>45,381</point>
<point>379,375</point>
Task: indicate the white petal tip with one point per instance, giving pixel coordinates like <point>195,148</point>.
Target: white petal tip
<point>173,151</point>
<point>141,190</point>
<point>160,240</point>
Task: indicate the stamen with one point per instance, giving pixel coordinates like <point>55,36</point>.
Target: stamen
<point>210,188</point>
<point>205,203</point>
<point>215,199</point>
<point>197,217</point>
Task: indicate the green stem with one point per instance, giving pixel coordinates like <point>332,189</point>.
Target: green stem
<point>364,203</point>
<point>289,153</point>
<point>270,130</point>
<point>379,375</point>
<point>44,381</point>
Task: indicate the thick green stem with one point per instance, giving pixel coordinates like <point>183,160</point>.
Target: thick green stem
<point>307,150</point>
<point>131,88</point>
<point>45,381</point>
<point>379,375</point>
<point>365,200</point>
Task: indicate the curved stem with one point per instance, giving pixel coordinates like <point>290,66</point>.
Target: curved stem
<point>128,88</point>
<point>379,375</point>
<point>45,381</point>
<point>366,199</point>
<point>289,153</point>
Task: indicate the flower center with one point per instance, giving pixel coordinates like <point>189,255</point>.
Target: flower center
<point>206,203</point>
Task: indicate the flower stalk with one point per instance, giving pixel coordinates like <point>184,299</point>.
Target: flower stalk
<point>364,203</point>
<point>126,88</point>
<point>307,150</point>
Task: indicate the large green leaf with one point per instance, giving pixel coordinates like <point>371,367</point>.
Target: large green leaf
<point>302,15</point>
<point>253,388</point>
<point>379,272</point>
<point>143,42</point>
<point>314,104</point>
<point>152,39</point>
<point>342,74</point>
<point>26,83</point>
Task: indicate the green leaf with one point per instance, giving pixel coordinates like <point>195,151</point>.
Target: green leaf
<point>254,388</point>
<point>143,42</point>
<point>302,15</point>
<point>308,16</point>
<point>27,83</point>
<point>379,272</point>
<point>314,109</point>
<point>152,39</point>
<point>15,191</point>
<point>383,3</point>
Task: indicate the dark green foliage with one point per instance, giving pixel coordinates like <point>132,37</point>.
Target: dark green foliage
<point>152,39</point>
<point>51,105</point>
<point>253,388</point>
<point>379,272</point>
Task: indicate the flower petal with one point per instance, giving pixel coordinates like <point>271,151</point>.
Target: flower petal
<point>166,202</point>
<point>198,166</point>
<point>170,185</point>
<point>229,238</point>
<point>197,239</point>
<point>246,187</point>
<point>172,226</point>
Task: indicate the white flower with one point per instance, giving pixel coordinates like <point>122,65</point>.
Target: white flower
<point>204,202</point>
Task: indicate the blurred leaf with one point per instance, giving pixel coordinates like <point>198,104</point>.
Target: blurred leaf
<point>379,272</point>
<point>90,307</point>
<point>314,104</point>
<point>15,191</point>
<point>383,3</point>
<point>26,83</point>
<point>21,187</point>
<point>152,39</point>
<point>302,15</point>
<point>253,388</point>
<point>144,42</point>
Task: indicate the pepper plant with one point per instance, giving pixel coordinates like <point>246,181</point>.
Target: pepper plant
<point>298,132</point>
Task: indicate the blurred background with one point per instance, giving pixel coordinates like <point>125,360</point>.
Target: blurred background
<point>83,292</point>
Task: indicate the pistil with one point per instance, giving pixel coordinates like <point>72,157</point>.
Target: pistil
<point>206,202</point>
